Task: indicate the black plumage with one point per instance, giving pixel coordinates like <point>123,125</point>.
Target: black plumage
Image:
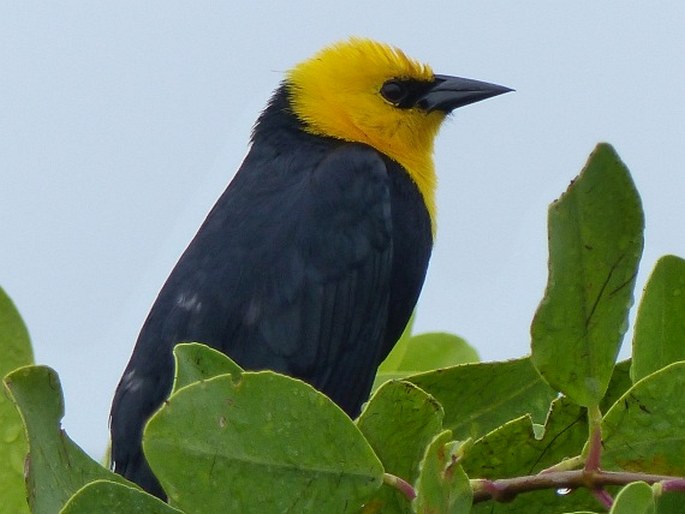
<point>312,260</point>
<point>309,264</point>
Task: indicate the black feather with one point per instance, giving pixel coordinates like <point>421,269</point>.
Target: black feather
<point>309,264</point>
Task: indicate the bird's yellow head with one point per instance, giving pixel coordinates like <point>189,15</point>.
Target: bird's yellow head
<point>368,92</point>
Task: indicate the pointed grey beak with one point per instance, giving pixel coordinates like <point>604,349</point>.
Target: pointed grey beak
<point>449,93</point>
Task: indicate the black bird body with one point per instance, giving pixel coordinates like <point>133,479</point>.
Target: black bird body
<point>312,260</point>
<point>316,281</point>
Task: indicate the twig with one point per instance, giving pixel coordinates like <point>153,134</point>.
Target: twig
<point>506,489</point>
<point>400,484</point>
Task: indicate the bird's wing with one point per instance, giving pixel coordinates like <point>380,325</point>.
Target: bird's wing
<point>324,312</point>
<point>289,272</point>
<point>313,289</point>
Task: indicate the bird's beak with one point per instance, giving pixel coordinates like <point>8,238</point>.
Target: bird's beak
<point>448,93</point>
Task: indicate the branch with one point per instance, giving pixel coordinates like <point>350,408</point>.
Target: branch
<point>506,489</point>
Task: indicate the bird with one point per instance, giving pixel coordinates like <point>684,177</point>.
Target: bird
<point>311,262</point>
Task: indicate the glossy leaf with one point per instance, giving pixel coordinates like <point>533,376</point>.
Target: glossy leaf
<point>645,429</point>
<point>265,443</point>
<point>424,352</point>
<point>442,486</point>
<point>514,450</point>
<point>479,397</point>
<point>659,337</point>
<point>196,361</point>
<point>595,244</point>
<point>635,498</point>
<point>670,502</point>
<point>399,422</point>
<point>620,382</point>
<point>396,355</point>
<point>15,351</point>
<point>57,467</point>
<point>105,496</point>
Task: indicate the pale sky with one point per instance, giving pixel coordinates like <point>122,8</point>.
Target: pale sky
<point>122,122</point>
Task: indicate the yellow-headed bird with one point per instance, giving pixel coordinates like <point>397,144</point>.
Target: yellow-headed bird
<point>312,260</point>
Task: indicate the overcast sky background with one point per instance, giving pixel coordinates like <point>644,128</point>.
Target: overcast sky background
<point>122,122</point>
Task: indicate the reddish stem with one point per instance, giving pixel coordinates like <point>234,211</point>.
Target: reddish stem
<point>401,485</point>
<point>506,489</point>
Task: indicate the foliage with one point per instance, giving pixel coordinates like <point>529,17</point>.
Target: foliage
<point>15,351</point>
<point>564,430</point>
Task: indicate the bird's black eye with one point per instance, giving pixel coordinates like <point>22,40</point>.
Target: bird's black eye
<point>394,91</point>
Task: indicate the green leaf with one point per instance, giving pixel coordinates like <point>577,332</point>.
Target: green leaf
<point>113,498</point>
<point>57,467</point>
<point>394,358</point>
<point>670,502</point>
<point>645,429</point>
<point>659,337</point>
<point>480,397</point>
<point>15,351</point>
<point>196,361</point>
<point>442,486</point>
<point>620,382</point>
<point>595,244</point>
<point>635,498</point>
<point>424,352</point>
<point>514,450</point>
<point>14,337</point>
<point>267,443</point>
<point>399,421</point>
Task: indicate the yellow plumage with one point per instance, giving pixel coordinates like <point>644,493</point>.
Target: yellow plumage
<point>349,106</point>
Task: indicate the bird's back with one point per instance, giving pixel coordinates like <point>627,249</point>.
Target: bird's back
<point>309,264</point>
